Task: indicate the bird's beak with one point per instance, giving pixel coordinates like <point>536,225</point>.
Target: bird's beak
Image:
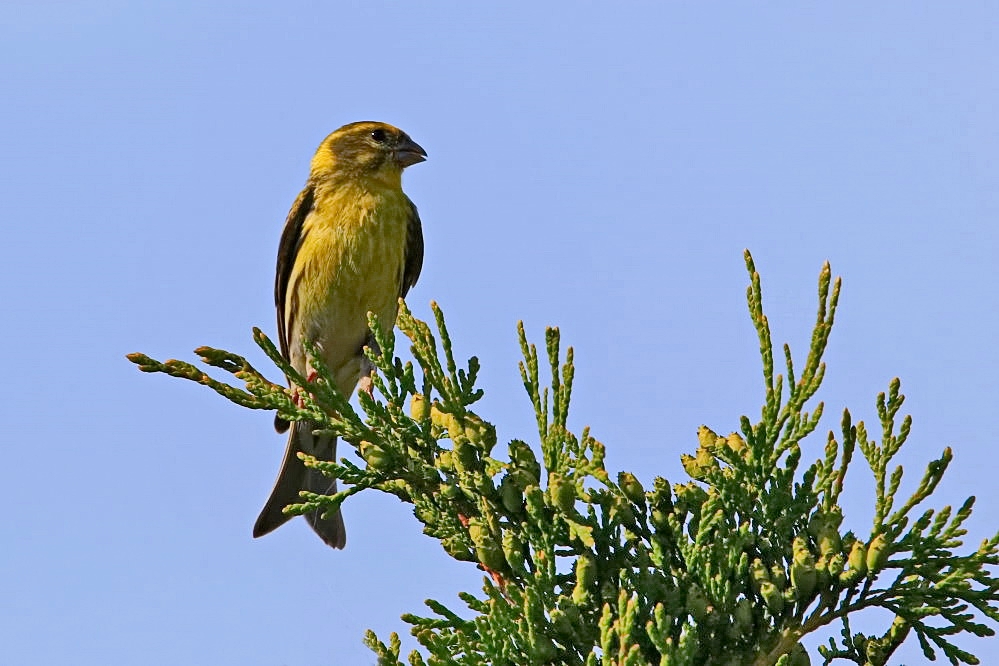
<point>409,153</point>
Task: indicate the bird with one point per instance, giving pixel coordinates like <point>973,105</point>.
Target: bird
<point>352,244</point>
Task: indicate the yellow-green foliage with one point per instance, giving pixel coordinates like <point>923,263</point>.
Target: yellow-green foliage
<point>731,567</point>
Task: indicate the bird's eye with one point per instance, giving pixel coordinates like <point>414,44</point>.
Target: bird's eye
<point>379,135</point>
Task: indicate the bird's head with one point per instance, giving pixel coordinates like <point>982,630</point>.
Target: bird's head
<point>367,150</point>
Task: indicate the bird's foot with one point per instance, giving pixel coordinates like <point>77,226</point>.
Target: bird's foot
<point>298,391</point>
<point>367,385</point>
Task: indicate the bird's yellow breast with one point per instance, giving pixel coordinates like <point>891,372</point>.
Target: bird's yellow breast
<point>350,261</point>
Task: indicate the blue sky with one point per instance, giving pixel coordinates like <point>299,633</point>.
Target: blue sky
<point>595,167</point>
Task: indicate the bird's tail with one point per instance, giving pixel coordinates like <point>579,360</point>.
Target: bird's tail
<point>295,476</point>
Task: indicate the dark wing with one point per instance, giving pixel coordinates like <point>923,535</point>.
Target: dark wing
<point>291,240</point>
<point>414,252</point>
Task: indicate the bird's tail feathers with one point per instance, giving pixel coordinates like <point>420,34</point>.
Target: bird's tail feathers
<point>329,529</point>
<point>295,476</point>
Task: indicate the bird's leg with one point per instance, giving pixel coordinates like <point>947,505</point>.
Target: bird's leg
<point>367,385</point>
<point>298,391</point>
<point>367,367</point>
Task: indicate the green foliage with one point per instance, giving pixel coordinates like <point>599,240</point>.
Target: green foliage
<point>732,567</point>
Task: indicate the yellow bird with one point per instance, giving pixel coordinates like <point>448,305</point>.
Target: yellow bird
<point>352,243</point>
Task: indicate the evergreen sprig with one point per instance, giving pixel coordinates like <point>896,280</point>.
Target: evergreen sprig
<point>731,567</point>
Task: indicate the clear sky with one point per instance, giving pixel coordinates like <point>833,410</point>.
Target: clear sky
<point>599,167</point>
